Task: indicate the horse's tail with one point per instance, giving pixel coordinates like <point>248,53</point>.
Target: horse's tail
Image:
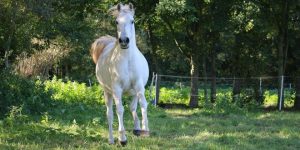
<point>99,45</point>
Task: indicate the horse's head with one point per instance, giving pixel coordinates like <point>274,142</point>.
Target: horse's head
<point>125,24</point>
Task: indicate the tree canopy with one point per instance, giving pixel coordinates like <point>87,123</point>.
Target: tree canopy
<point>234,38</point>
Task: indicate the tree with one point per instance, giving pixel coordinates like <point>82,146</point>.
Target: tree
<point>218,22</point>
<point>200,33</point>
<point>207,38</point>
<point>188,39</point>
<point>278,13</point>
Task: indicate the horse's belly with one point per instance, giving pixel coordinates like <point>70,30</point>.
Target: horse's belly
<point>103,76</point>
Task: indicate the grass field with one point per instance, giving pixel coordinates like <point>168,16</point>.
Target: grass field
<point>84,127</point>
<point>77,121</point>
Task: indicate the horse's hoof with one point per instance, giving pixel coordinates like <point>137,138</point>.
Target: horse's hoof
<point>144,133</point>
<point>123,143</point>
<point>136,132</point>
<point>111,142</point>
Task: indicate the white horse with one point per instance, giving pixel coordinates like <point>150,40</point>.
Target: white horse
<point>121,68</point>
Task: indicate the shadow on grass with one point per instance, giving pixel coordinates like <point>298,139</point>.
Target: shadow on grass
<point>64,125</point>
<point>214,130</point>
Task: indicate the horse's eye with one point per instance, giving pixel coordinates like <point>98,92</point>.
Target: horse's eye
<point>132,22</point>
<point>117,22</point>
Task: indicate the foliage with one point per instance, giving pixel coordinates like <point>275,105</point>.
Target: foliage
<point>19,92</point>
<point>232,38</point>
<point>36,96</point>
<point>72,91</point>
<point>40,63</point>
<point>243,30</point>
<point>271,97</point>
<point>174,96</point>
<point>247,99</point>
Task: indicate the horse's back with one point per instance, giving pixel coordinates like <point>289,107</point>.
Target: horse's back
<point>100,46</point>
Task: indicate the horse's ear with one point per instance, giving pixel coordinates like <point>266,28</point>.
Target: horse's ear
<point>131,6</point>
<point>119,7</point>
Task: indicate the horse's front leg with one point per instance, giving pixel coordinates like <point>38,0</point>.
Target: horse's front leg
<point>117,95</point>
<point>110,116</point>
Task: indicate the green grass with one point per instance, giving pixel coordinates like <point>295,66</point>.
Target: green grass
<point>77,120</point>
<point>170,129</point>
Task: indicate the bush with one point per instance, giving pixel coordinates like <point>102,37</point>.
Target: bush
<point>74,92</point>
<point>16,91</point>
<point>38,97</point>
<point>224,106</point>
<point>247,99</point>
<point>174,96</point>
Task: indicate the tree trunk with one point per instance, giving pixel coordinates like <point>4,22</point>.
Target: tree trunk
<point>297,100</point>
<point>280,73</point>
<point>66,72</point>
<point>194,83</point>
<point>7,53</point>
<point>205,81</point>
<point>157,89</point>
<point>282,48</point>
<point>154,46</point>
<point>257,94</point>
<point>236,90</point>
<point>10,34</point>
<point>213,76</point>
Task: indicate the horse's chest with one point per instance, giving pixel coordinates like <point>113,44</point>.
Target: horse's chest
<point>125,74</point>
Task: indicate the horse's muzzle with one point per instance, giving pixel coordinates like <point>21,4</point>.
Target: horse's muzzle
<point>124,42</point>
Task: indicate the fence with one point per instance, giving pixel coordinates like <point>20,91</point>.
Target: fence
<point>170,89</point>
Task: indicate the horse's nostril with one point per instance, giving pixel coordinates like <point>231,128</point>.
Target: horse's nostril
<point>125,41</point>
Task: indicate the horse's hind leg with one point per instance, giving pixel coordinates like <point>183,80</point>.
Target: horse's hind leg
<point>110,115</point>
<point>133,106</point>
<point>143,104</point>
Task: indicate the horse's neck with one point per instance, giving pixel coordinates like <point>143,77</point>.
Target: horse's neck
<point>133,37</point>
<point>124,53</point>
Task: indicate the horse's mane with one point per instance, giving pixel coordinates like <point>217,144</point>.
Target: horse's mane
<point>99,45</point>
<point>127,8</point>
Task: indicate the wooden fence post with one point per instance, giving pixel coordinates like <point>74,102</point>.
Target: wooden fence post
<point>157,86</point>
<point>281,98</point>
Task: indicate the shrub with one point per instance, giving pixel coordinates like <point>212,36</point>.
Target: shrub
<point>224,106</point>
<point>16,91</point>
<point>174,95</point>
<point>74,92</point>
<point>248,99</point>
